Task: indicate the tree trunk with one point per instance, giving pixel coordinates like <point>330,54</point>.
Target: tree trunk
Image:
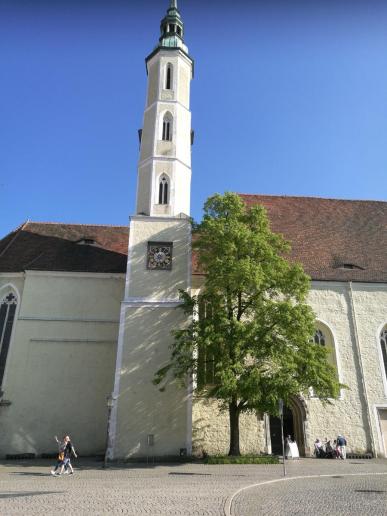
<point>234,428</point>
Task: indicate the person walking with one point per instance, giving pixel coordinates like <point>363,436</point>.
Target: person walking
<point>68,452</point>
<point>342,443</point>
<point>60,459</point>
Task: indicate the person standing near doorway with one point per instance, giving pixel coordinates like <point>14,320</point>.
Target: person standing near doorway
<point>342,443</point>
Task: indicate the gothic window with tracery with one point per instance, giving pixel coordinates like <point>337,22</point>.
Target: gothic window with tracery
<point>324,337</point>
<point>319,338</point>
<point>168,77</point>
<point>383,344</point>
<point>7,315</point>
<point>167,127</point>
<point>163,190</point>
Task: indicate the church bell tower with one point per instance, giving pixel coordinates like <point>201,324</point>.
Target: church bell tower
<point>164,172</point>
<point>145,421</point>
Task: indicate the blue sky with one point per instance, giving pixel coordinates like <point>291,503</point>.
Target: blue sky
<point>289,97</point>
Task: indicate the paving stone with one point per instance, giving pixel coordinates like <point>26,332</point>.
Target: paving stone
<point>186,489</point>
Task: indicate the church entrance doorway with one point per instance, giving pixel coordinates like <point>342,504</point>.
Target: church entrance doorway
<point>294,425</point>
<point>275,430</point>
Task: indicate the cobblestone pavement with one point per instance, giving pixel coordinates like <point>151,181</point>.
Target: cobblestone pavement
<point>341,496</point>
<point>193,489</point>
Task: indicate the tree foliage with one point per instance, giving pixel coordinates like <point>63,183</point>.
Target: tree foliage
<point>255,330</point>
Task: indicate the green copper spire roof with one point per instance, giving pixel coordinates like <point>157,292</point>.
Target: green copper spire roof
<point>172,28</point>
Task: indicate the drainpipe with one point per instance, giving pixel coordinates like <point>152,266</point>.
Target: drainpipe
<point>364,384</point>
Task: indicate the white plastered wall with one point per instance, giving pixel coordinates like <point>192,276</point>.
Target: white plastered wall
<point>141,409</point>
<point>149,313</point>
<point>173,157</point>
<point>60,365</point>
<point>143,283</point>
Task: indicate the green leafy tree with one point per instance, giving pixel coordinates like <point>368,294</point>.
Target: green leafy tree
<point>250,326</point>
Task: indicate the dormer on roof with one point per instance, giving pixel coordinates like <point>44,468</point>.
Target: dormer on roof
<point>351,266</point>
<point>88,241</point>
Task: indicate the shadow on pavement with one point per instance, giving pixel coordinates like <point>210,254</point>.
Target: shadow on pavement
<point>191,474</point>
<point>27,493</point>
<point>369,491</point>
<point>27,474</point>
<point>86,464</point>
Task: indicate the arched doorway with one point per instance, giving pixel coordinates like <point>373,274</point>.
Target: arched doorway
<point>275,430</point>
<point>294,425</point>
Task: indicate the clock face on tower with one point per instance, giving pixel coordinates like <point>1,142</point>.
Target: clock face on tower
<point>159,256</point>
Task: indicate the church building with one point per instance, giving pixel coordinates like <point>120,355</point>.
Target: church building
<point>87,311</point>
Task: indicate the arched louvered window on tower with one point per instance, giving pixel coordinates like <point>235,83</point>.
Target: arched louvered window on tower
<point>167,127</point>
<point>168,76</point>
<point>8,306</point>
<point>383,345</point>
<point>163,190</point>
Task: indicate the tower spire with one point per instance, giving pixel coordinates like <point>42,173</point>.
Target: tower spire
<point>172,28</point>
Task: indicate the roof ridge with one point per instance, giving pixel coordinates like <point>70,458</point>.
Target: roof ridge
<point>284,196</point>
<point>78,224</point>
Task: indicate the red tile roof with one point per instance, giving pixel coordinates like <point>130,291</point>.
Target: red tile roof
<point>57,247</point>
<point>327,237</point>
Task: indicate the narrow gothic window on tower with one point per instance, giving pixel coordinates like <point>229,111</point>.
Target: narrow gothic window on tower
<point>163,190</point>
<point>167,127</point>
<point>168,77</point>
<point>7,316</point>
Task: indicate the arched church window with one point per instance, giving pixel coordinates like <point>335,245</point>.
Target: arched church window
<point>383,345</point>
<point>163,190</point>
<point>167,127</point>
<point>168,77</point>
<point>7,315</point>
<point>324,337</point>
<point>319,338</point>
